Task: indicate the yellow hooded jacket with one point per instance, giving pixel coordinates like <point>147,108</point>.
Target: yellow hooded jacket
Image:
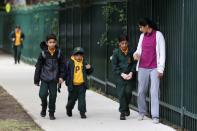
<point>78,72</point>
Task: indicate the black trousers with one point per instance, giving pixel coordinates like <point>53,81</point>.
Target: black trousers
<point>77,93</point>
<point>124,92</point>
<point>17,53</point>
<point>48,88</point>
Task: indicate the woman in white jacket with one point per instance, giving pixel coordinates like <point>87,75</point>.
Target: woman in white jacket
<point>150,55</point>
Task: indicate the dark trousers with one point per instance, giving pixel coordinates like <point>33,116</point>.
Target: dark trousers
<point>17,53</point>
<point>48,88</point>
<point>77,93</point>
<point>124,92</point>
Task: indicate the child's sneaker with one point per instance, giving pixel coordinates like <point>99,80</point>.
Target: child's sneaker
<point>127,113</point>
<point>83,115</point>
<point>51,116</point>
<point>122,116</point>
<point>69,113</point>
<point>43,113</point>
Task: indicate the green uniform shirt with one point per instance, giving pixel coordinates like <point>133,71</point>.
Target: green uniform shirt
<point>122,63</point>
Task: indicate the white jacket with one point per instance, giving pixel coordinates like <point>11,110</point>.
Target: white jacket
<point>160,51</point>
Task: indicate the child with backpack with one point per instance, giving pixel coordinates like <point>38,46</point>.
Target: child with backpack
<point>50,71</point>
<point>76,80</point>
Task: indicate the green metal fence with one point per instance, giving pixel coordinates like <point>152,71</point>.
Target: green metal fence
<point>189,65</point>
<point>79,24</point>
<point>178,88</point>
<point>1,32</point>
<point>177,93</point>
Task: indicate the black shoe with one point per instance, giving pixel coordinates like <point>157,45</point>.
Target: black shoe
<point>69,113</point>
<point>122,116</point>
<point>43,113</point>
<point>51,116</point>
<point>83,115</point>
<point>127,113</point>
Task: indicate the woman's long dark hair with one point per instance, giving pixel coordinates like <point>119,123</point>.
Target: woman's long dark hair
<point>146,21</point>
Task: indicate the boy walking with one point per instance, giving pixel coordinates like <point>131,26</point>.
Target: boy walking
<point>76,80</point>
<point>50,71</point>
<point>123,67</point>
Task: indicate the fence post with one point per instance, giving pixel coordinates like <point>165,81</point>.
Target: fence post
<point>106,70</point>
<point>106,59</point>
<point>72,27</point>
<point>80,26</point>
<point>182,75</point>
<point>90,39</point>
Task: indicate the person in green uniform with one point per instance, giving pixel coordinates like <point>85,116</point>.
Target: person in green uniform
<point>124,69</point>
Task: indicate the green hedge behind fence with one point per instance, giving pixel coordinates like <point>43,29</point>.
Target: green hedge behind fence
<point>35,22</point>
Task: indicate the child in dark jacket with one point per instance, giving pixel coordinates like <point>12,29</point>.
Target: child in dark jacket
<point>50,71</point>
<point>76,80</point>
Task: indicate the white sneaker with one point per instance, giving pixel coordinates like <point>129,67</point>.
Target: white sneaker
<point>140,117</point>
<point>155,120</point>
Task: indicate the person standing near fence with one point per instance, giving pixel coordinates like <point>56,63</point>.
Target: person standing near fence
<point>17,38</point>
<point>123,67</point>
<point>150,55</point>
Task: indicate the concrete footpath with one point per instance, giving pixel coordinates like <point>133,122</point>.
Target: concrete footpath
<point>102,112</point>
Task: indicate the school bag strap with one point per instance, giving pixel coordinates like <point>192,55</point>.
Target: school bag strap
<point>43,54</point>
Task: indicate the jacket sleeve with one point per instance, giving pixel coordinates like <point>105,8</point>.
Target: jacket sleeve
<point>161,53</point>
<point>67,76</point>
<point>23,36</point>
<point>89,71</point>
<point>38,69</point>
<point>62,67</point>
<point>133,65</point>
<point>139,47</point>
<point>115,66</point>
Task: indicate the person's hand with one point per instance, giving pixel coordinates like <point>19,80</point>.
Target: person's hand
<point>61,80</point>
<point>88,66</point>
<point>129,76</point>
<point>136,56</point>
<point>37,84</point>
<point>124,76</point>
<point>160,75</point>
<point>13,39</point>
